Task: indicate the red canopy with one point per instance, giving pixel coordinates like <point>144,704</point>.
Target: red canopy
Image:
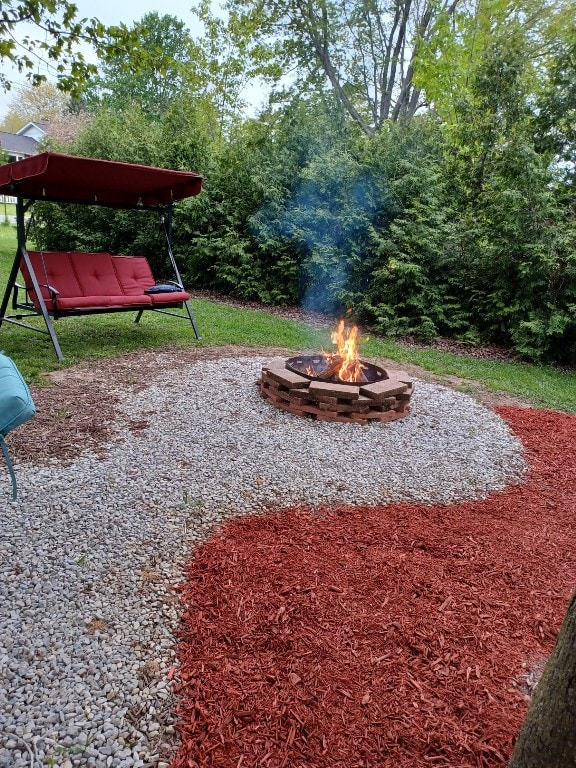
<point>64,178</point>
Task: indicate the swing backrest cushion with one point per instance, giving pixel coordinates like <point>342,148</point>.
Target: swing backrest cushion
<point>16,404</point>
<point>93,280</point>
<point>134,274</point>
<point>54,270</point>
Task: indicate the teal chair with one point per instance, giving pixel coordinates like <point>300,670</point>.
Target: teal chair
<point>16,407</point>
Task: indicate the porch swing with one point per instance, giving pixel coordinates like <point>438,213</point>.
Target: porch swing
<point>59,284</point>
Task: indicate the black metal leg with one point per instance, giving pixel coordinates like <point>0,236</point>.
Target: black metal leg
<point>192,319</point>
<point>10,286</point>
<point>22,253</point>
<point>43,310</point>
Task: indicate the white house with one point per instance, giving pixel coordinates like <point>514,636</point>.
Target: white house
<point>24,142</point>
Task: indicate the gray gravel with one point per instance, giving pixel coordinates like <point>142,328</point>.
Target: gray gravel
<point>89,552</point>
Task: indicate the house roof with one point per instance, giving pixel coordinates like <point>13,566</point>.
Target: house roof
<point>18,145</point>
<point>64,178</point>
<point>36,126</point>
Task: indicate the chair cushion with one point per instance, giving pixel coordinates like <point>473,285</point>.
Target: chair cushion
<point>95,274</point>
<point>57,268</point>
<point>82,302</point>
<point>133,273</point>
<point>16,404</point>
<point>128,301</point>
<point>95,280</point>
<point>169,298</point>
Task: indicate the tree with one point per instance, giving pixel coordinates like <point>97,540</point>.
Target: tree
<point>35,104</point>
<point>408,290</point>
<point>231,59</point>
<point>365,51</point>
<point>516,265</point>
<point>556,121</point>
<point>56,41</point>
<point>169,64</point>
<point>547,738</point>
<point>160,69</point>
<point>448,60</point>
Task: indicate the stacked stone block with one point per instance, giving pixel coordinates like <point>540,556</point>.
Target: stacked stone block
<point>385,400</point>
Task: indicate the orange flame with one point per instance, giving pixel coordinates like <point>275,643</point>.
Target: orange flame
<point>346,340</point>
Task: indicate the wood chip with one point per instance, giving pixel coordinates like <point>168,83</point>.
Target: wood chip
<point>379,635</point>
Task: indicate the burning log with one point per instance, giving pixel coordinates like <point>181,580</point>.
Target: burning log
<point>333,365</point>
<point>333,370</point>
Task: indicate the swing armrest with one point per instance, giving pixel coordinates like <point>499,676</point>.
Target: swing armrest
<point>174,282</point>
<point>16,288</point>
<point>19,287</point>
<point>54,292</point>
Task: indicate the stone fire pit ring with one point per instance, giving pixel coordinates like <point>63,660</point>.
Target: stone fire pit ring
<point>386,399</point>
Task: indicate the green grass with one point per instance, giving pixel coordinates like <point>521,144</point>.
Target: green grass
<point>7,209</point>
<point>542,385</point>
<point>99,336</point>
<point>7,242</point>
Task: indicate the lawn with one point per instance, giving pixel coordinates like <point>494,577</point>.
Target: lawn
<point>108,335</point>
<point>7,209</point>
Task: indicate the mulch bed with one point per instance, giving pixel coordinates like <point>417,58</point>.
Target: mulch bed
<point>399,636</point>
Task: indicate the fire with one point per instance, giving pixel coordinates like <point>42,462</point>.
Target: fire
<point>345,363</point>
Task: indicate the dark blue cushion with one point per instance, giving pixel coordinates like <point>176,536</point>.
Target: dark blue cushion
<point>16,404</point>
<point>164,288</point>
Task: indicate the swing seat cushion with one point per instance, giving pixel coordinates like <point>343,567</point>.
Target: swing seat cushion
<point>92,281</point>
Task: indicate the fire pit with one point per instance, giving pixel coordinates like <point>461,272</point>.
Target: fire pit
<point>337,386</point>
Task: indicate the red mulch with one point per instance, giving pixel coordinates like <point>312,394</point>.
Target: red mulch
<point>390,636</point>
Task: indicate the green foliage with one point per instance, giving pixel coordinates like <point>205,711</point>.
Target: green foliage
<point>410,290</point>
<point>155,73</point>
<point>327,218</point>
<point>516,276</point>
<point>556,115</point>
<point>57,36</point>
<point>246,248</point>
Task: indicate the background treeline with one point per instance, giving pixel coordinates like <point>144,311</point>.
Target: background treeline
<point>452,214</point>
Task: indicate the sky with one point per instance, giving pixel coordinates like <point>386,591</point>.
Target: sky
<point>112,12</point>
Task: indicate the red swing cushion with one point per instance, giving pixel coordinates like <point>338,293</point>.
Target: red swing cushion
<point>93,281</point>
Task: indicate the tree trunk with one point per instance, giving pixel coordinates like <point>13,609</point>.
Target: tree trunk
<point>547,738</point>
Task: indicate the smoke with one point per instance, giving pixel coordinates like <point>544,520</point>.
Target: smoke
<point>328,219</point>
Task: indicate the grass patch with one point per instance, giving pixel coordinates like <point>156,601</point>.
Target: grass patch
<point>7,246</point>
<point>7,209</point>
<point>543,385</point>
<point>99,336</point>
